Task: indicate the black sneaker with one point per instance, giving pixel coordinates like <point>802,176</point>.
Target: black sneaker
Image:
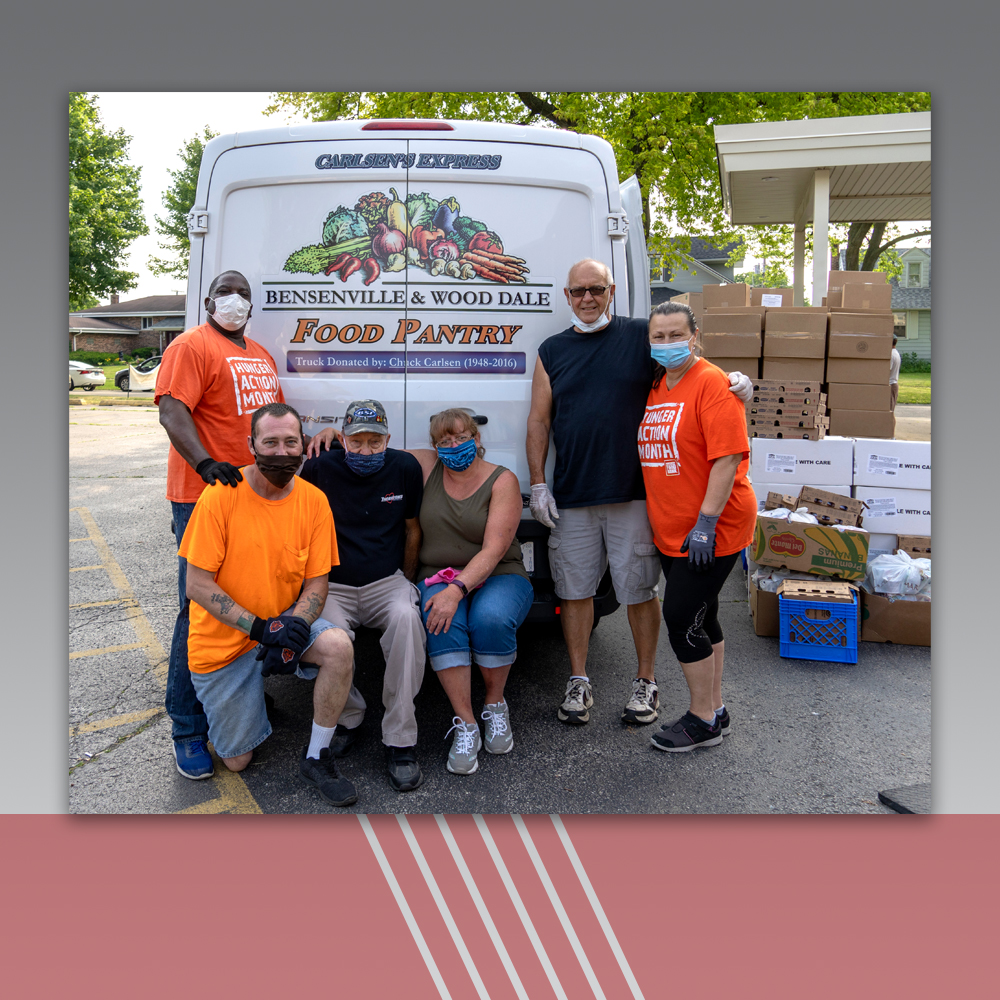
<point>723,720</point>
<point>343,740</point>
<point>404,771</point>
<point>687,733</point>
<point>325,777</point>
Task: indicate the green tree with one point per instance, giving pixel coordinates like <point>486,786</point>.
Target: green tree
<point>178,200</point>
<point>665,139</point>
<point>105,209</point>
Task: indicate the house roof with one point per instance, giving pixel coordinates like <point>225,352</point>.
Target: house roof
<point>703,250</point>
<point>911,298</point>
<point>88,324</point>
<point>149,305</point>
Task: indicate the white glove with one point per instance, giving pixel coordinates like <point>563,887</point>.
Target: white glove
<point>741,385</point>
<point>543,505</point>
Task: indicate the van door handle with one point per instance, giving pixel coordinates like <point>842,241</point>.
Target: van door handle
<point>480,419</point>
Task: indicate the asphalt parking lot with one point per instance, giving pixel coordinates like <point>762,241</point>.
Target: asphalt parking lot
<point>807,737</point>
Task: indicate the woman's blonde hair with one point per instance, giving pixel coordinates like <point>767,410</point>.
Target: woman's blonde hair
<point>448,420</point>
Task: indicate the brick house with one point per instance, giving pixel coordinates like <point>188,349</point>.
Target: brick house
<point>152,321</point>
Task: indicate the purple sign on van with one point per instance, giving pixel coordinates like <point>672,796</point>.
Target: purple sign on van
<point>426,362</point>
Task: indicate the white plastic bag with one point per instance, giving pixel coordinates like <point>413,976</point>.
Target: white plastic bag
<point>899,575</point>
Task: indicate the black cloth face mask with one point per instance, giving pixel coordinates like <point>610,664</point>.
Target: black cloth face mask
<point>278,470</point>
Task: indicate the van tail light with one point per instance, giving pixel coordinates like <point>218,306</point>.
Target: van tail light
<point>407,126</point>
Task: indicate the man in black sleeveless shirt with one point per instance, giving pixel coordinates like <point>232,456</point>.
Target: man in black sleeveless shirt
<point>590,386</point>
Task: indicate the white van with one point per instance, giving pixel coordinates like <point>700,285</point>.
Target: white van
<point>420,263</point>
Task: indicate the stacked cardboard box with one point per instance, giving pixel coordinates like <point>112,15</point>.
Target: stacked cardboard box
<point>794,344</point>
<point>731,339</point>
<point>859,352</point>
<point>894,479</point>
<point>787,410</point>
<point>693,301</point>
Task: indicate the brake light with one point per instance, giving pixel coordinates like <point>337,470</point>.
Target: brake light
<point>407,126</point>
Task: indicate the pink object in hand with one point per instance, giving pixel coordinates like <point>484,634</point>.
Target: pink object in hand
<point>447,575</point>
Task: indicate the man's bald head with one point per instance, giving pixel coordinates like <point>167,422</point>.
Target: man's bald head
<point>229,278</point>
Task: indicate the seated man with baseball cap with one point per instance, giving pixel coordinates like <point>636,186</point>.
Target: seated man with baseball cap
<point>375,492</point>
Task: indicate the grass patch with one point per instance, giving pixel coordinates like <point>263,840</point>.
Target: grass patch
<point>915,387</point>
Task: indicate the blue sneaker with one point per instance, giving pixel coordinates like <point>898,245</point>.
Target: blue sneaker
<point>193,759</point>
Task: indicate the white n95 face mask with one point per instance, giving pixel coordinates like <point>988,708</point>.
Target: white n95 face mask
<point>602,321</point>
<point>231,311</point>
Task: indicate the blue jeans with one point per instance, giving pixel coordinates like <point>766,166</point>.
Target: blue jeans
<point>484,629</point>
<point>182,703</point>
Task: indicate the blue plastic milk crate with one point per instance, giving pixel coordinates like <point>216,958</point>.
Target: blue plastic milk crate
<point>819,630</point>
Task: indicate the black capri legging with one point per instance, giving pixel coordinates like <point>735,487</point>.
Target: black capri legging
<point>691,605</point>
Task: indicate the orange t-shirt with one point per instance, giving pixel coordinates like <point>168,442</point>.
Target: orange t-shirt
<point>221,384</point>
<point>683,431</point>
<point>261,551</point>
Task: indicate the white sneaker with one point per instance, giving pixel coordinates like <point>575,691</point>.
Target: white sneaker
<point>642,707</point>
<point>499,738</point>
<point>578,702</point>
<point>464,747</point>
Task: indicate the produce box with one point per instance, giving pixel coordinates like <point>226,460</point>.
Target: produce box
<point>915,546</point>
<point>789,433</point>
<point>733,294</point>
<point>788,421</point>
<point>777,390</point>
<point>797,369</point>
<point>853,396</point>
<point>730,335</point>
<point>693,301</point>
<point>825,463</point>
<point>863,370</point>
<point>867,295</point>
<point>902,512</point>
<point>771,297</point>
<point>758,311</point>
<point>767,397</point>
<point>892,463</point>
<point>789,409</point>
<point>837,279</point>
<point>905,622</point>
<point>859,345</point>
<point>789,333</point>
<point>811,548</point>
<point>837,509</point>
<point>775,500</point>
<point>762,491</point>
<point>881,545</point>
<point>863,423</point>
<point>764,609</point>
<point>748,366</point>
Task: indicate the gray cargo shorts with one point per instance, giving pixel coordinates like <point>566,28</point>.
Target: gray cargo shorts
<point>586,540</point>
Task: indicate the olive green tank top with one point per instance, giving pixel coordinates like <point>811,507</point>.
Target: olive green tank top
<point>453,529</point>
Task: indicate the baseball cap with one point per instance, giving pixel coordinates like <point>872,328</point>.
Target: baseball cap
<point>365,415</point>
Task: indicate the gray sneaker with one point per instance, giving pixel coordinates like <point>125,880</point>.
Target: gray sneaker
<point>578,702</point>
<point>464,747</point>
<point>499,738</point>
<point>642,706</point>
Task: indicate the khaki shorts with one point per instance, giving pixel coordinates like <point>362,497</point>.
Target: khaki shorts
<point>586,540</point>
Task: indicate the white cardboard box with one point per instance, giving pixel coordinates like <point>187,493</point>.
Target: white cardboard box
<point>881,545</point>
<point>761,490</point>
<point>895,511</point>
<point>805,463</point>
<point>891,464</point>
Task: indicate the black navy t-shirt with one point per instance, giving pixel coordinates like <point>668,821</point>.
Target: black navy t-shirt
<point>369,512</point>
<point>600,383</point>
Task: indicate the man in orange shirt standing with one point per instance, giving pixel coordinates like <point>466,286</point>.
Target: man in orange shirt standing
<point>258,559</point>
<point>211,380</point>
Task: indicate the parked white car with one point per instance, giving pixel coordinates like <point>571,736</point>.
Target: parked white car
<point>82,375</point>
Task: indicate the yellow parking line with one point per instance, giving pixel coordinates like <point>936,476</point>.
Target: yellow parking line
<point>80,569</point>
<point>103,604</point>
<point>234,796</point>
<point>107,649</point>
<point>115,720</point>
<point>87,539</point>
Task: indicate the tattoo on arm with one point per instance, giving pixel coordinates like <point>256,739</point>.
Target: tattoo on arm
<point>226,603</point>
<point>314,604</point>
<point>245,621</point>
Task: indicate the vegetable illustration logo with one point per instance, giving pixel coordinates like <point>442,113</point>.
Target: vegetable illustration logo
<point>383,233</point>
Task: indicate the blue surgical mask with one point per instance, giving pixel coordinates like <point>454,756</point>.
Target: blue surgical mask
<point>364,465</point>
<point>460,457</point>
<point>671,355</point>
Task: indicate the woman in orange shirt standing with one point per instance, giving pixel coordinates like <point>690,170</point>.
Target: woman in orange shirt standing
<point>694,453</point>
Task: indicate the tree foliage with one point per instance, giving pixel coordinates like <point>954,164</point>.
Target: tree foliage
<point>178,200</point>
<point>665,139</point>
<point>105,209</point>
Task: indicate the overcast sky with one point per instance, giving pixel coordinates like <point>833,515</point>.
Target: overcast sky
<point>159,124</point>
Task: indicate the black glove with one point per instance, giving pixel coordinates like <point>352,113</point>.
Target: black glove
<point>277,660</point>
<point>289,631</point>
<point>210,471</point>
<point>700,543</point>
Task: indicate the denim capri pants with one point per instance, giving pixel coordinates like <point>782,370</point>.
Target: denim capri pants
<point>484,628</point>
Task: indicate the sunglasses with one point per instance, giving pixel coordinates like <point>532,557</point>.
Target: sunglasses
<point>596,290</point>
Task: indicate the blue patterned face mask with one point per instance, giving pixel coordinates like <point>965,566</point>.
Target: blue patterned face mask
<point>671,355</point>
<point>364,465</point>
<point>460,457</point>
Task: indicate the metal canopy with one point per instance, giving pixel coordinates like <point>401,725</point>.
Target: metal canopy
<point>869,168</point>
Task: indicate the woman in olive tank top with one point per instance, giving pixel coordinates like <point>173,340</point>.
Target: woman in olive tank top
<point>474,590</point>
